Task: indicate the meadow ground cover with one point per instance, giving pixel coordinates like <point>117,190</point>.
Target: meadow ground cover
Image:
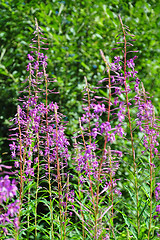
<point>105,183</point>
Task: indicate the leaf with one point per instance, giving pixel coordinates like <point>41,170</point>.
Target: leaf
<point>129,223</point>
<point>131,194</point>
<point>146,204</point>
<point>105,212</point>
<point>85,66</point>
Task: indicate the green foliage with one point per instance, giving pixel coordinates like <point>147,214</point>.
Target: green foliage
<point>76,30</point>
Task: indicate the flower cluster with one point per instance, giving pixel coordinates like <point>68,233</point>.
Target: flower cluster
<point>39,144</point>
<point>146,121</point>
<point>36,143</point>
<point>9,207</point>
<point>41,134</point>
<point>8,189</point>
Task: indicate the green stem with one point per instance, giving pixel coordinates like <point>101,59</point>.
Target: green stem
<point>65,223</point>
<point>130,126</point>
<point>37,190</point>
<point>48,157</point>
<point>90,182</point>
<point>151,164</point>
<point>95,206</point>
<point>111,188</point>
<point>79,190</point>
<point>58,174</point>
<point>28,215</point>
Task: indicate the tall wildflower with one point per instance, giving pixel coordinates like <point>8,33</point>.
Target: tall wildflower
<point>39,145</point>
<point>142,123</point>
<point>123,117</point>
<point>97,165</point>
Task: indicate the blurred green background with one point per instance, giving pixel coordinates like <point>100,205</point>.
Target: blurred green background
<point>76,31</point>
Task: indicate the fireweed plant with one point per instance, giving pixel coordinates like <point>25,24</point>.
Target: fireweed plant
<point>79,193</point>
<point>9,206</point>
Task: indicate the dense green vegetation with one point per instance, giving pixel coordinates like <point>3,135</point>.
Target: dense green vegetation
<point>76,31</point>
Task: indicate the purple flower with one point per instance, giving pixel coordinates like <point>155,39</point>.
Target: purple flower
<point>30,57</point>
<point>98,108</point>
<point>158,209</point>
<point>157,192</point>
<point>16,222</point>
<point>117,59</point>
<point>8,189</point>
<point>105,127</point>
<point>13,208</point>
<point>158,235</point>
<point>94,132</point>
<point>130,63</point>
